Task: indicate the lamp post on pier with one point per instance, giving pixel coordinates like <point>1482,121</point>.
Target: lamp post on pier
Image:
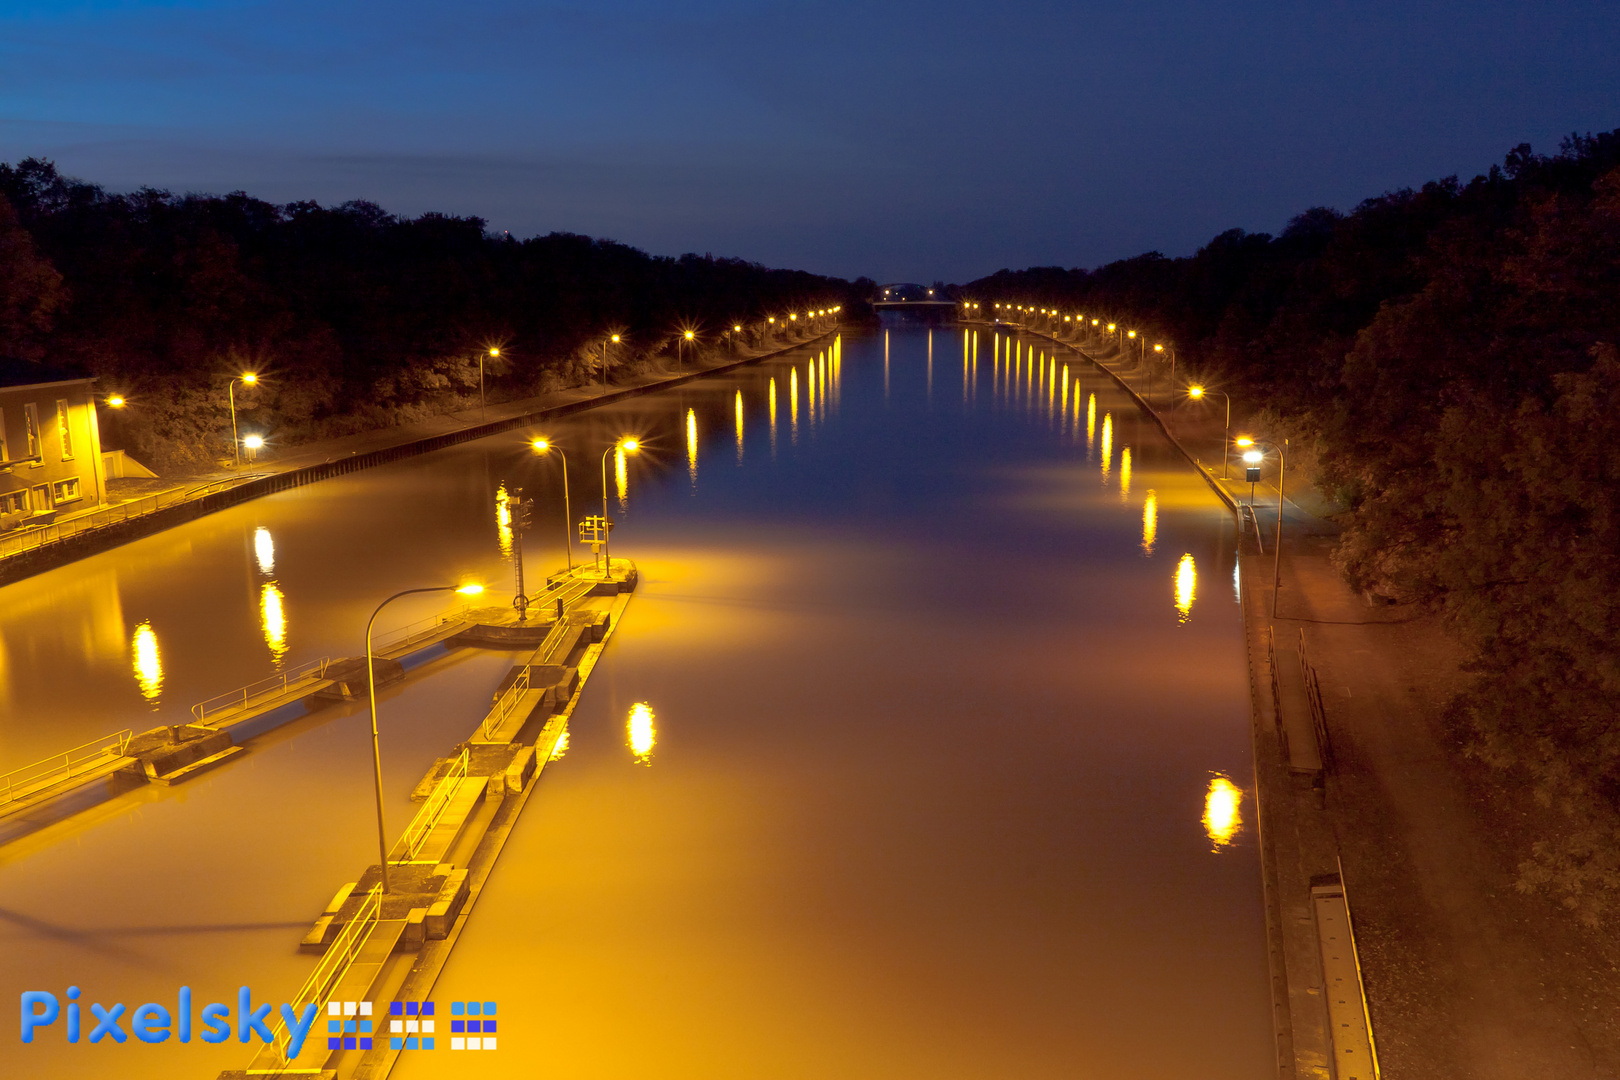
<point>371,695</point>
<point>545,446</point>
<point>629,446</point>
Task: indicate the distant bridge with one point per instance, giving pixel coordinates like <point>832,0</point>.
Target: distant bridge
<point>915,300</point>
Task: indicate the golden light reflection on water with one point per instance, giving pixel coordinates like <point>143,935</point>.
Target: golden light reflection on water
<point>621,476</point>
<point>810,395</point>
<point>1186,586</point>
<point>739,426</point>
<point>559,748</point>
<point>691,444</point>
<point>273,618</point>
<point>773,416</point>
<point>885,369</point>
<point>148,662</point>
<point>1107,444</point>
<point>1150,521</point>
<point>1091,420</point>
<point>1223,818</point>
<point>264,549</point>
<point>641,733</point>
<point>793,395</point>
<point>1125,474</point>
<point>503,519</point>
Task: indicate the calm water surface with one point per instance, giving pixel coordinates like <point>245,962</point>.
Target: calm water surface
<point>949,717</point>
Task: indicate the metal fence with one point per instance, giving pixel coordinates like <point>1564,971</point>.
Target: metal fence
<point>1313,691</point>
<point>400,635</point>
<point>274,686</point>
<point>422,825</point>
<point>509,701</point>
<point>18,783</point>
<point>29,539</point>
<point>342,953</point>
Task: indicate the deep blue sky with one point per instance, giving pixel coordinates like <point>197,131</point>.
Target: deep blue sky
<point>902,140</point>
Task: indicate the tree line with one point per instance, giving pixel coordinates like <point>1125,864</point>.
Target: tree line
<point>1447,358</point>
<point>352,318</point>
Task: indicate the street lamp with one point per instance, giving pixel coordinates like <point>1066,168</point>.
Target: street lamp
<point>371,694</point>
<point>1196,393</point>
<point>688,337</point>
<point>545,446</point>
<point>1253,457</point>
<point>253,443</point>
<point>115,402</point>
<point>631,446</point>
<point>614,340</point>
<point>1160,349</point>
<point>246,379</point>
<point>492,354</point>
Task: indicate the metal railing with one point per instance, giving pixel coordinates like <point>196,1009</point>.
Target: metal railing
<point>32,538</point>
<point>1313,691</point>
<point>1276,685</point>
<point>508,701</point>
<point>275,686</point>
<point>422,825</point>
<point>318,988</point>
<point>1245,510</point>
<point>402,634</point>
<point>20,782</point>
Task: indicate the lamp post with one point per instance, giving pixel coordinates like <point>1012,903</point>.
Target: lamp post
<point>1197,392</point>
<point>253,444</point>
<point>247,378</point>
<point>545,446</point>
<point>371,694</point>
<point>1282,464</point>
<point>492,354</point>
<point>688,338</point>
<point>612,339</point>
<point>632,446</point>
<point>1159,349</point>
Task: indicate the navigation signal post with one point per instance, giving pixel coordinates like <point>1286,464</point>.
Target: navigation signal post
<point>594,531</point>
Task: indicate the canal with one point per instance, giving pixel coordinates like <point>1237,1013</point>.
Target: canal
<point>947,775</point>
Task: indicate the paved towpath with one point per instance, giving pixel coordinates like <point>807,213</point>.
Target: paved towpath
<point>1466,978</point>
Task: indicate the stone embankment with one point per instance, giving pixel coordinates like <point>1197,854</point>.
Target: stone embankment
<point>79,536</point>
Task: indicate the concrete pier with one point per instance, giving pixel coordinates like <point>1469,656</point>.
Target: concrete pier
<point>224,725</point>
<point>394,944</point>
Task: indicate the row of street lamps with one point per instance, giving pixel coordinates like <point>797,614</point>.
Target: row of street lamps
<point>1252,457</point>
<point>687,340</point>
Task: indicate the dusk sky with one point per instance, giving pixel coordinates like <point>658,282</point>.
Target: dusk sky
<point>906,141</point>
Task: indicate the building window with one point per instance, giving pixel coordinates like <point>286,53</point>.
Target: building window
<point>66,490</point>
<point>31,423</point>
<point>13,502</point>
<point>63,429</point>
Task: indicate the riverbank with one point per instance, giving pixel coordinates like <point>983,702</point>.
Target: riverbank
<point>1464,976</point>
<point>76,537</point>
